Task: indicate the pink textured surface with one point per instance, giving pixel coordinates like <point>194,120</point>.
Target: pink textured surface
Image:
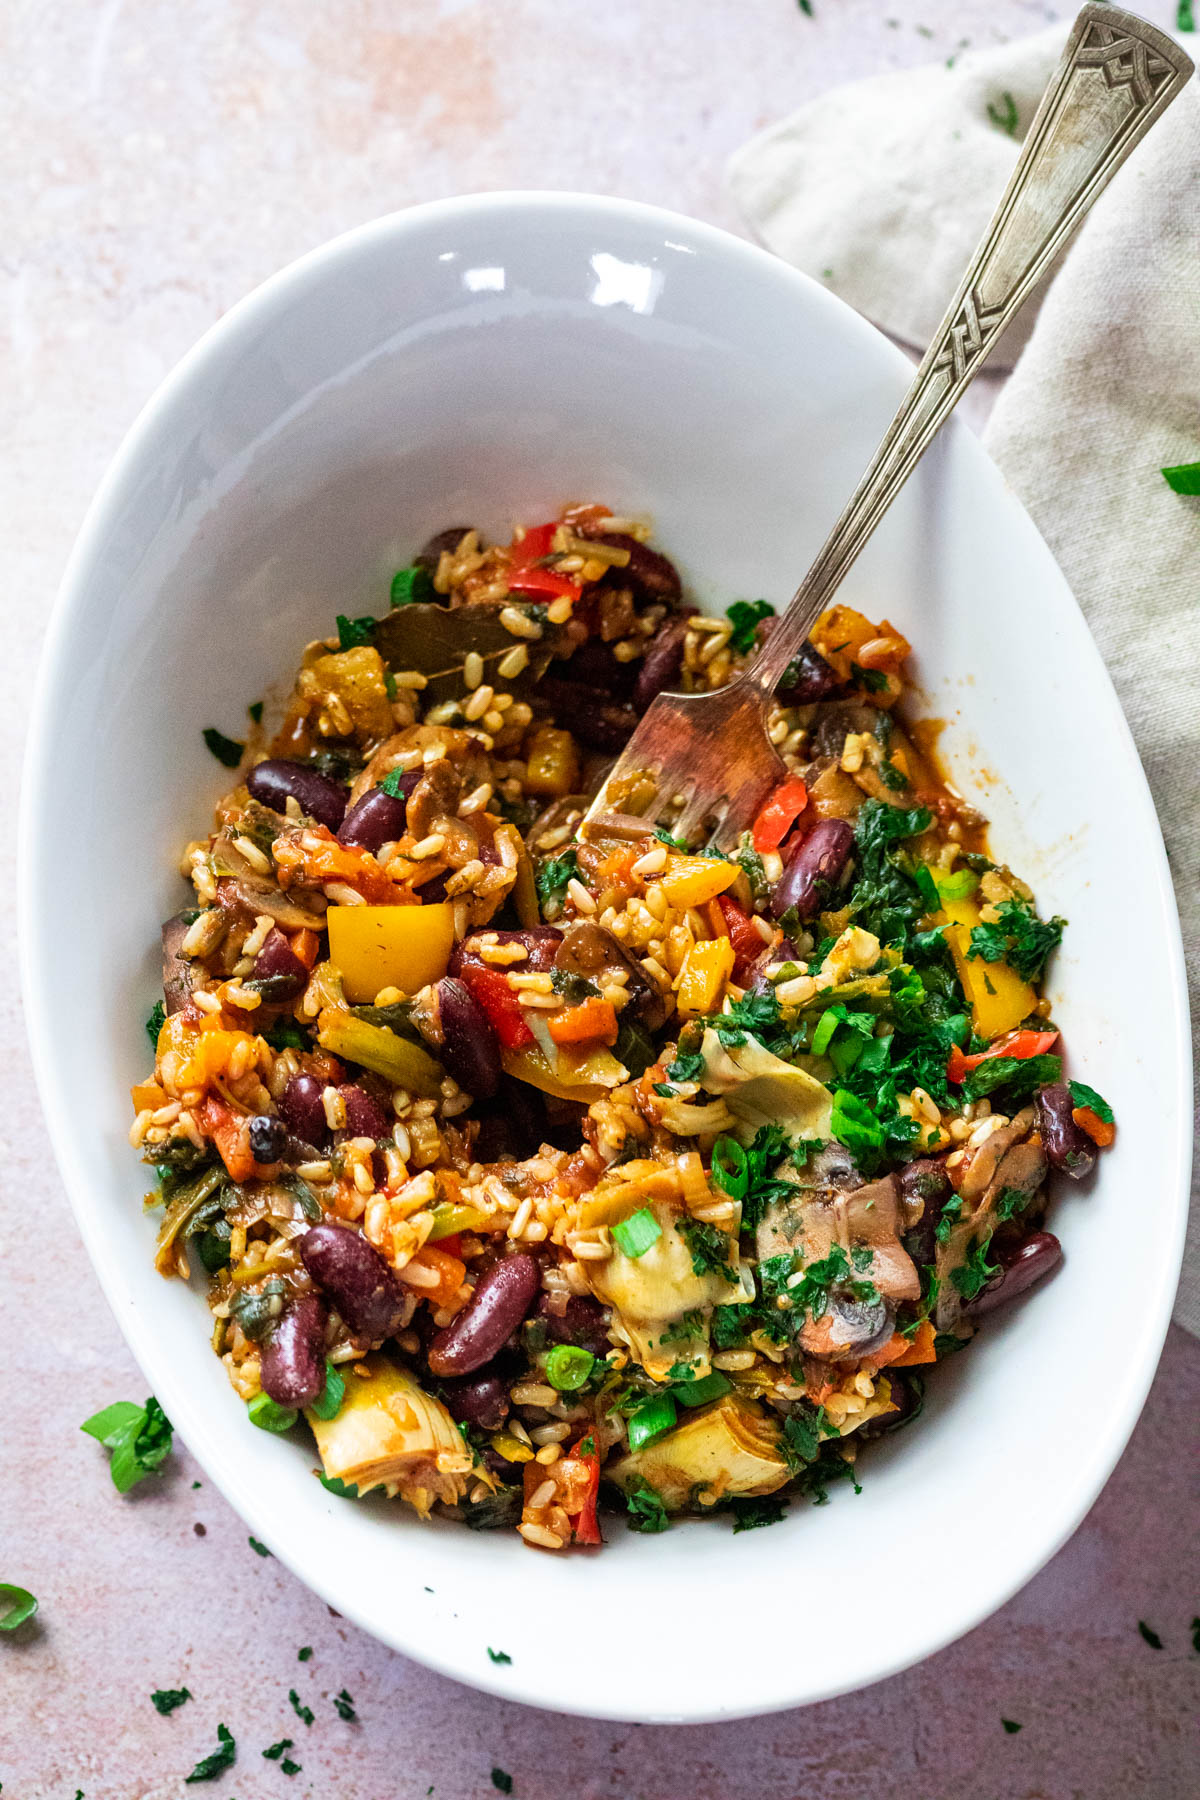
<point>159,162</point>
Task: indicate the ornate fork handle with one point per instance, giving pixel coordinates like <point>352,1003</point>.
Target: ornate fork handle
<point>1116,76</point>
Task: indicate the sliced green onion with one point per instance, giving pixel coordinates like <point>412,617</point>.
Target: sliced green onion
<point>730,1170</point>
<point>330,1398</point>
<point>568,1367</point>
<point>824,1032</point>
<point>268,1415</point>
<point>633,1236</point>
<point>957,886</point>
<point>16,1605</point>
<point>699,1393</point>
<point>652,1418</point>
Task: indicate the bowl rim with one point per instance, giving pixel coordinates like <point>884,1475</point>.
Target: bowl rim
<point>268,298</point>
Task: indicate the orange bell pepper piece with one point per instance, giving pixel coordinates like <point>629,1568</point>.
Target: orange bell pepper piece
<point>217,1120</point>
<point>593,1020</point>
<point>450,1271</point>
<point>314,856</point>
<point>1098,1129</point>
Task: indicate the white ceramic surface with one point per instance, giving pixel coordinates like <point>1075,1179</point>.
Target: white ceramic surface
<point>487,359</point>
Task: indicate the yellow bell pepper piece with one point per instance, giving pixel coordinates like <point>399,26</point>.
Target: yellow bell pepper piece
<point>706,969</point>
<point>357,678</point>
<point>531,1065</point>
<point>400,1061</point>
<point>374,947</point>
<point>694,880</point>
<point>998,997</point>
<point>552,768</point>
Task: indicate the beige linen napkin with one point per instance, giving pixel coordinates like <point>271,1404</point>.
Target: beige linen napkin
<point>882,190</point>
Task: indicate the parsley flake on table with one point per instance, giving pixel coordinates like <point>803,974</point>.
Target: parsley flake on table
<point>304,1713</point>
<point>1151,1637</point>
<point>227,751</point>
<point>502,1780</point>
<point>344,1705</point>
<point>1004,117</point>
<point>499,1656</point>
<point>277,1750</point>
<point>1011,1726</point>
<point>1196,1636</point>
<point>209,1767</point>
<point>165,1700</point>
<point>1183,478</point>
<point>258,1549</point>
<point>16,1605</point>
<point>138,1439</point>
<point>304,1654</point>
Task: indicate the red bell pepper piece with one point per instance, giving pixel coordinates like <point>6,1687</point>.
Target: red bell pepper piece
<point>533,546</point>
<point>499,1002</point>
<point>525,578</point>
<point>779,813</point>
<point>747,945</point>
<point>585,1524</point>
<point>1020,1044</point>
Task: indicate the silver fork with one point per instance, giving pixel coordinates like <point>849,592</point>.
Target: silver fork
<point>710,752</point>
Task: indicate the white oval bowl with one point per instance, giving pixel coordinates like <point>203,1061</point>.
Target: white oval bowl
<point>486,360</point>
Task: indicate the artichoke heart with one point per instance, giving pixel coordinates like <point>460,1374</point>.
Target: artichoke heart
<point>731,1447</point>
<point>652,1293</point>
<point>389,1433</point>
<point>762,1089</point>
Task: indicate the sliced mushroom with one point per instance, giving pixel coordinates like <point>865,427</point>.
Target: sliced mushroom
<point>435,796</point>
<point>176,969</point>
<point>588,950</point>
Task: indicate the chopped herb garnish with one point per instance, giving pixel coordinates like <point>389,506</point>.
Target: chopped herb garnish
<point>1004,117</point>
<point>165,1700</point>
<point>633,1236</point>
<point>344,1705</point>
<point>286,1034</point>
<point>1183,478</point>
<point>1084,1096</point>
<point>277,1750</point>
<point>303,1713</point>
<point>345,1490</point>
<point>1151,1637</point>
<point>1018,937</point>
<point>155,1022</point>
<point>553,876</point>
<point>710,1248</point>
<point>226,750</point>
<point>1009,1202</point>
<point>138,1439</point>
<point>393,784</point>
<point>502,1780</point>
<point>1018,1076</point>
<point>749,1513</point>
<point>1011,1726</point>
<point>258,1549</point>
<point>304,1654</point>
<point>646,1509</point>
<point>499,1656</point>
<point>354,632</point>
<point>873,680</point>
<point>289,1767</point>
<point>745,616</point>
<point>413,585</point>
<point>255,709</point>
<point>211,1766</point>
<point>16,1605</point>
<point>950,1215</point>
<point>972,1276</point>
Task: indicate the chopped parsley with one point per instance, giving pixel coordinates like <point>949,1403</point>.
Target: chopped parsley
<point>345,1490</point>
<point>255,709</point>
<point>1151,1637</point>
<point>258,1549</point>
<point>973,1275</point>
<point>277,1750</point>
<point>646,1509</point>
<point>803,1430</point>
<point>209,1767</point>
<point>1018,937</point>
<point>286,1034</point>
<point>304,1654</point>
<point>1084,1096</point>
<point>354,632</point>
<point>709,1247</point>
<point>1184,478</point>
<point>1004,117</point>
<point>138,1439</point>
<point>760,1509</point>
<point>393,783</point>
<point>810,1295</point>
<point>950,1215</point>
<point>502,1780</point>
<point>554,875</point>
<point>226,750</point>
<point>411,586</point>
<point>344,1705</point>
<point>1018,1076</point>
<point>303,1713</point>
<point>873,680</point>
<point>1009,1202</point>
<point>745,616</point>
<point>499,1656</point>
<point>165,1700</point>
<point>16,1605</point>
<point>155,1023</point>
<point>1011,1726</point>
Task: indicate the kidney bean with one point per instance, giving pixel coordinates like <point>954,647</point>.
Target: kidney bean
<point>430,553</point>
<point>176,969</point>
<point>600,723</point>
<point>926,1181</point>
<point>293,1357</point>
<point>274,782</point>
<point>480,1400</point>
<point>596,667</point>
<point>268,1138</point>
<point>585,1322</point>
<point>662,663</point>
<point>355,1277</point>
<point>814,868</point>
<point>470,1049</point>
<point>278,963</point>
<point>808,677</point>
<point>303,1110</point>
<point>1021,1266</point>
<point>653,574</point>
<point>500,1302</point>
<point>365,1117</point>
<point>377,818</point>
<point>1067,1147</point>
